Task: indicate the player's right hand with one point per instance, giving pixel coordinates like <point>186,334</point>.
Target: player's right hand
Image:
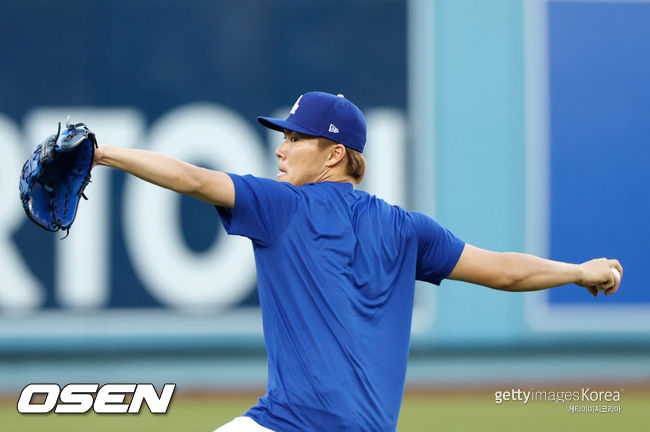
<point>597,272</point>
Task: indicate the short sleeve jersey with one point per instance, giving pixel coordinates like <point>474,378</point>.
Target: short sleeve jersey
<point>336,269</point>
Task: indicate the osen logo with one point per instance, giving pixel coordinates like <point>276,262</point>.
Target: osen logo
<point>107,399</point>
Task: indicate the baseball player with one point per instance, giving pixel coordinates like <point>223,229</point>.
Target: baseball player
<point>336,268</point>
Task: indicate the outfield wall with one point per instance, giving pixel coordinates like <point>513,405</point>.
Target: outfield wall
<point>519,125</point>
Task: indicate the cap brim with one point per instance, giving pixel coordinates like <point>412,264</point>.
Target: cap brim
<point>280,125</point>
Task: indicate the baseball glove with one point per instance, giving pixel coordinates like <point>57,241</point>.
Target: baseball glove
<point>55,176</point>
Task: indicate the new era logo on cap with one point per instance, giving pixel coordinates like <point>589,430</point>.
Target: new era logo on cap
<point>324,115</point>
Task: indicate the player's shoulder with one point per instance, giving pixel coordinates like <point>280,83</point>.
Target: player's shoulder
<point>419,219</point>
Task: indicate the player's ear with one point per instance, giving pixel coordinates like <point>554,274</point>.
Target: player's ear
<point>336,154</point>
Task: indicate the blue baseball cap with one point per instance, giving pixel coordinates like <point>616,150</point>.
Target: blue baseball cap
<point>324,115</point>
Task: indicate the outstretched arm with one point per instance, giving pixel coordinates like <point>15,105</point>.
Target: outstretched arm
<point>213,187</point>
<point>510,271</point>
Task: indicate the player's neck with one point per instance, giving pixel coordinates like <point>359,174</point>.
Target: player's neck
<point>336,175</point>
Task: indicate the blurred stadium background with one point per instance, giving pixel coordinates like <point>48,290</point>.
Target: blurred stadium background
<point>520,125</point>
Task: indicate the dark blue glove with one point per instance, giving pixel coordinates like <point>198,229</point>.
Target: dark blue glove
<point>55,176</point>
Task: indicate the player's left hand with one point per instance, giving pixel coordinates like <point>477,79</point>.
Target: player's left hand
<point>97,157</point>
<point>54,177</point>
<point>598,273</point>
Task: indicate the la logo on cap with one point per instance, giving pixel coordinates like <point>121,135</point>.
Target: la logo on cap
<point>295,106</point>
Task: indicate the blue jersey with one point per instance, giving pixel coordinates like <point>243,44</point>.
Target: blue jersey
<point>336,269</point>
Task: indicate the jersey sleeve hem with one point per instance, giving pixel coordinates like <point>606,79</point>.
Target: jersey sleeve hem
<point>458,247</point>
<point>230,216</point>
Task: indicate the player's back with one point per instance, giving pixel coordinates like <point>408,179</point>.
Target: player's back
<point>339,343</point>
<point>336,270</point>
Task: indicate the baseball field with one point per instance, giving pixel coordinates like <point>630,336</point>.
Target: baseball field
<point>421,412</point>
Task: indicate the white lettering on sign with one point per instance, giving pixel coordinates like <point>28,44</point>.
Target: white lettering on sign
<point>19,288</point>
<point>174,274</point>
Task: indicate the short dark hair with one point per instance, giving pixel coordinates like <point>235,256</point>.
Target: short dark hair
<point>356,167</point>
<point>354,160</point>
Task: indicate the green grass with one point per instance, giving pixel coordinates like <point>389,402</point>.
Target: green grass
<point>420,413</point>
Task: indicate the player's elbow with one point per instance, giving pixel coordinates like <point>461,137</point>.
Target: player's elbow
<point>497,270</point>
<point>210,186</point>
<point>504,281</point>
<point>188,181</point>
<point>510,276</point>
